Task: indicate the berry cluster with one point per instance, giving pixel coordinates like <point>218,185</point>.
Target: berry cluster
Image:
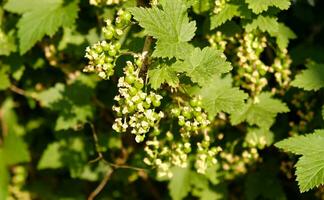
<point>235,165</point>
<point>191,117</point>
<point>206,155</point>
<point>17,182</point>
<point>165,154</point>
<point>105,2</point>
<point>166,151</point>
<point>244,50</point>
<point>135,109</point>
<point>102,55</point>
<point>303,105</point>
<point>219,5</point>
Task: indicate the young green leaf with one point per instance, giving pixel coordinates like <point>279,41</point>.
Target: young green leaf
<point>163,74</point>
<point>229,11</point>
<point>259,6</point>
<point>219,95</point>
<point>261,113</point>
<point>179,185</point>
<point>264,23</point>
<point>169,25</point>
<point>310,167</point>
<point>310,79</point>
<point>40,18</point>
<point>202,65</point>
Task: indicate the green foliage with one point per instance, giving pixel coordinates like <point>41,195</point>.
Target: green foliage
<point>310,167</point>
<point>261,112</point>
<point>263,23</point>
<point>40,18</point>
<point>163,74</point>
<point>219,95</point>
<point>203,65</point>
<point>170,26</point>
<point>179,185</point>
<point>264,184</point>
<point>185,99</point>
<point>259,6</point>
<point>310,79</point>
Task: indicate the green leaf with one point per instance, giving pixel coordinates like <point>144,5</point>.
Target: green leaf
<point>261,113</point>
<point>323,112</point>
<point>72,102</point>
<point>162,74</point>
<point>4,78</point>
<point>14,148</point>
<point>202,65</point>
<point>258,6</point>
<point>169,49</point>
<point>219,95</point>
<point>179,185</point>
<point>7,43</point>
<point>310,79</point>
<point>258,137</point>
<point>283,35</point>
<point>40,18</point>
<point>169,25</point>
<point>4,177</point>
<point>51,158</point>
<point>227,13</point>
<point>264,23</point>
<point>310,167</point>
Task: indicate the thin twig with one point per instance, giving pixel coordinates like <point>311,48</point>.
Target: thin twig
<point>22,92</point>
<point>101,186</point>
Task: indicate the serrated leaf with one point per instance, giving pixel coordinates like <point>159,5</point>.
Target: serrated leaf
<point>202,65</point>
<point>162,74</point>
<point>227,13</point>
<point>258,6</point>
<point>261,113</point>
<point>283,35</point>
<point>308,144</point>
<point>169,49</point>
<point>310,79</point>
<point>219,95</point>
<point>264,23</point>
<point>41,18</point>
<point>169,25</point>
<point>179,185</point>
<point>310,167</point>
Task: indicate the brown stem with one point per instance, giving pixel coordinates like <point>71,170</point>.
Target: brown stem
<point>102,184</point>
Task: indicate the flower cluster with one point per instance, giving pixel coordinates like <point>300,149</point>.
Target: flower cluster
<point>102,55</point>
<point>245,52</point>
<point>165,151</point>
<point>135,109</point>
<point>166,154</point>
<point>105,2</point>
<point>191,117</point>
<point>219,5</point>
<point>206,156</point>
<point>17,183</point>
<point>237,164</point>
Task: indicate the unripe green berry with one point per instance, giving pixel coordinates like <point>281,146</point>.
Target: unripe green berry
<point>130,79</point>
